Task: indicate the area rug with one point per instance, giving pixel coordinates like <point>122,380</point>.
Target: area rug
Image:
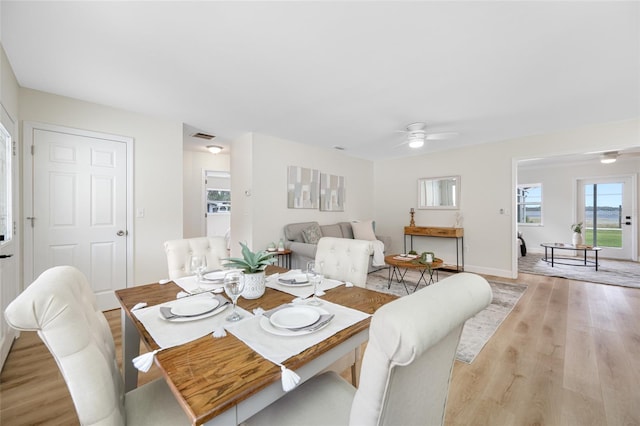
<point>477,330</point>
<point>613,272</point>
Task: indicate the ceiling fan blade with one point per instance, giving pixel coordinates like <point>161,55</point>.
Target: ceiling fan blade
<point>440,136</point>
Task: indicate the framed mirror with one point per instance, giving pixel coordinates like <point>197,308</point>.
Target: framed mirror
<point>439,193</point>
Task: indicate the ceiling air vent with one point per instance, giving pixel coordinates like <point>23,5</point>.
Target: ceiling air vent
<point>203,136</point>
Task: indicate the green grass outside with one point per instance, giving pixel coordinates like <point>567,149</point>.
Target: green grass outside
<point>606,237</point>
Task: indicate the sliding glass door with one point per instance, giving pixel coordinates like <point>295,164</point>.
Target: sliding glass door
<point>604,205</point>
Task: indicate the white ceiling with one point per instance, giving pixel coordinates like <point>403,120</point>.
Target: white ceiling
<point>346,74</point>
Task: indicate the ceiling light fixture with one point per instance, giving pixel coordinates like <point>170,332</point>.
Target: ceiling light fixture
<point>609,157</point>
<point>214,149</point>
<point>416,141</point>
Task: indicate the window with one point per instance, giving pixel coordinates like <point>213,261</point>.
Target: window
<point>218,200</point>
<point>530,204</point>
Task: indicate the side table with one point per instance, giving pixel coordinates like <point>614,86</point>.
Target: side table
<point>284,258</point>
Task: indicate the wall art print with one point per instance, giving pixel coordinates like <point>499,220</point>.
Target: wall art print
<point>332,192</point>
<point>302,188</point>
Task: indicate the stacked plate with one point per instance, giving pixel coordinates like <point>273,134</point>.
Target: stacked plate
<point>191,309</point>
<point>295,320</point>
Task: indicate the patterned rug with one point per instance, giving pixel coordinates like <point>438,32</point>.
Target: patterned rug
<point>614,272</point>
<point>477,330</point>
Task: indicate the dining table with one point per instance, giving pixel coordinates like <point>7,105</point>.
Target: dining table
<point>223,380</point>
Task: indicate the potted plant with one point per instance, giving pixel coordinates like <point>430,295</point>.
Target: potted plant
<point>577,234</point>
<point>253,266</point>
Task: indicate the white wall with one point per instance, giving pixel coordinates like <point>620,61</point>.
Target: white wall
<point>559,195</point>
<point>488,179</point>
<point>157,168</point>
<point>259,165</point>
<point>195,164</point>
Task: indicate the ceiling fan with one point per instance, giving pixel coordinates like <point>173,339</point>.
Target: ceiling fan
<point>417,135</point>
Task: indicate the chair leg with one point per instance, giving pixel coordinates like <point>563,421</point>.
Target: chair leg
<point>355,368</point>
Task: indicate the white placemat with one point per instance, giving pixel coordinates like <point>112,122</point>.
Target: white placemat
<point>301,291</point>
<point>168,334</point>
<point>277,349</point>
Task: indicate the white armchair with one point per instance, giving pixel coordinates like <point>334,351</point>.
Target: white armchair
<point>179,251</point>
<point>61,306</point>
<point>406,368</point>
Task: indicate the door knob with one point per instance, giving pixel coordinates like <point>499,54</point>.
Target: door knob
<point>121,233</point>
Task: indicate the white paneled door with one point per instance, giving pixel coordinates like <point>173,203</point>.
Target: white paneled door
<point>79,207</point>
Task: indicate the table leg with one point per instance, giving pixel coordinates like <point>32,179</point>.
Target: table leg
<point>596,252</point>
<point>551,256</point>
<point>394,272</point>
<point>130,350</point>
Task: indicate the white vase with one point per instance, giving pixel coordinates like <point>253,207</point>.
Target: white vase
<point>577,239</point>
<point>254,285</point>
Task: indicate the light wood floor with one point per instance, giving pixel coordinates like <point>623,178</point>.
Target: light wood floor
<point>568,354</point>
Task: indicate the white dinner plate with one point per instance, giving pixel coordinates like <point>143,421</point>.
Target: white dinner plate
<point>269,328</point>
<point>300,280</point>
<point>294,317</point>
<point>198,317</point>
<point>192,307</point>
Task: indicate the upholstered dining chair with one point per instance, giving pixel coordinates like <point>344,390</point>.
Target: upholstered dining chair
<point>406,368</point>
<point>61,306</point>
<point>179,251</point>
<point>345,259</point>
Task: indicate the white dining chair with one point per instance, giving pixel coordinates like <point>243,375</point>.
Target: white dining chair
<point>345,259</point>
<point>406,368</point>
<point>61,306</point>
<point>179,252</point>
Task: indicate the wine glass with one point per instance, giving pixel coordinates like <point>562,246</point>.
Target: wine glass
<point>314,274</point>
<point>198,264</point>
<point>233,286</point>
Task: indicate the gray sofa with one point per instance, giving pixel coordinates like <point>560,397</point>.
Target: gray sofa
<point>303,252</point>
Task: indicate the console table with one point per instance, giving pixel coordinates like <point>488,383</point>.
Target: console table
<point>438,232</point>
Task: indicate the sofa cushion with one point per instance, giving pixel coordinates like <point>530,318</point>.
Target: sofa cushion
<point>347,231</point>
<point>312,234</point>
<point>332,231</point>
<point>293,231</point>
<point>363,230</point>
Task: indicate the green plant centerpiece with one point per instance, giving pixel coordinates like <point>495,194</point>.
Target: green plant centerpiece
<point>577,234</point>
<point>253,266</point>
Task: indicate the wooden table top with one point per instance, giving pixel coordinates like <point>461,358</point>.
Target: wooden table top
<point>209,375</point>
<point>401,263</point>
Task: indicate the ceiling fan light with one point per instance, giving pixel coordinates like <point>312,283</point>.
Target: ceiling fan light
<point>416,143</point>
<point>214,149</point>
<point>609,157</point>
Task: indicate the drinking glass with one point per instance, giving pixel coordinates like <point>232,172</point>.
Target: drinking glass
<point>197,265</point>
<point>314,274</point>
<point>233,286</point>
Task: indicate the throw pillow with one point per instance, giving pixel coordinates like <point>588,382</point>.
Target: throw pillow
<point>363,230</point>
<point>312,234</point>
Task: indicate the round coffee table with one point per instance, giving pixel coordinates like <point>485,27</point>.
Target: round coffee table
<point>399,265</point>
